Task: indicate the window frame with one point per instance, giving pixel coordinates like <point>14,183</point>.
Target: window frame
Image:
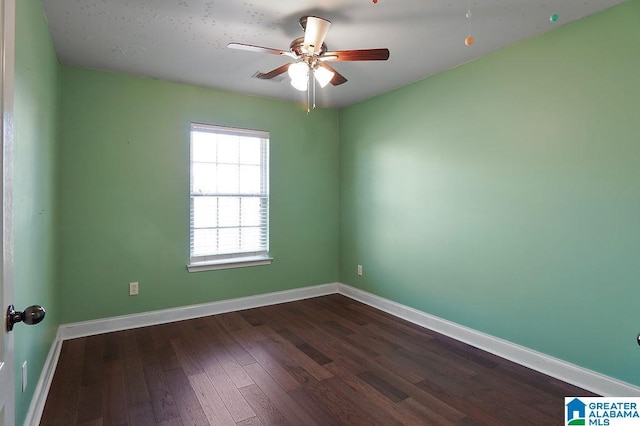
<point>238,259</point>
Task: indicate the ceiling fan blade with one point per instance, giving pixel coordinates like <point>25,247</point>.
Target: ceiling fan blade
<point>356,55</point>
<point>273,73</point>
<point>259,49</point>
<point>314,33</point>
<point>337,77</point>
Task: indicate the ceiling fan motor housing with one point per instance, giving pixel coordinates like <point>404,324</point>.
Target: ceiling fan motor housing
<point>297,47</point>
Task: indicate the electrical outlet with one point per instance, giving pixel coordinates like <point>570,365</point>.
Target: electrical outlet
<point>359,269</point>
<point>133,289</point>
<point>24,376</point>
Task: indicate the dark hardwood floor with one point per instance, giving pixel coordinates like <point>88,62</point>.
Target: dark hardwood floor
<point>327,361</point>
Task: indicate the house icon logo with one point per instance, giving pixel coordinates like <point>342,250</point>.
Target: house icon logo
<point>576,412</point>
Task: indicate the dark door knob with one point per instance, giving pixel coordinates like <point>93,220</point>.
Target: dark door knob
<point>30,316</point>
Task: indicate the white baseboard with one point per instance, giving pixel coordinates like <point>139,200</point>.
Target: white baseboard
<point>125,322</point>
<point>36,407</point>
<point>554,367</point>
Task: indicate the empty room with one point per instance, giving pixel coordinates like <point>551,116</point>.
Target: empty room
<point>341,212</point>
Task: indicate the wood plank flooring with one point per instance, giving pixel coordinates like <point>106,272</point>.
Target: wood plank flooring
<point>322,361</point>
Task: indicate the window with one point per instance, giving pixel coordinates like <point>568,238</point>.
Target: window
<point>229,198</point>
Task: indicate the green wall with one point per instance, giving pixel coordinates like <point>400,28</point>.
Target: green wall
<point>124,199</point>
<point>504,194</point>
<point>35,191</point>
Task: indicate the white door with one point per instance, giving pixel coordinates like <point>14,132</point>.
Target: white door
<point>7,380</point>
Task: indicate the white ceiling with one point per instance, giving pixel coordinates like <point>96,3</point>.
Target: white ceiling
<point>186,40</point>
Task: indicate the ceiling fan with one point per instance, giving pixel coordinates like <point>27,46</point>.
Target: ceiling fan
<point>311,56</point>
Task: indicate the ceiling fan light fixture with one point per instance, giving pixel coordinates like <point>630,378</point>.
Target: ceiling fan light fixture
<point>323,76</point>
<point>299,73</point>
<point>300,85</point>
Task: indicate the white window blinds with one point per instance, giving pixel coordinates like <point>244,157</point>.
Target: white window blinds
<point>229,194</point>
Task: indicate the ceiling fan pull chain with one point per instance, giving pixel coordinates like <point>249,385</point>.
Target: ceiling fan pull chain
<point>311,91</point>
<point>308,96</point>
<point>312,81</point>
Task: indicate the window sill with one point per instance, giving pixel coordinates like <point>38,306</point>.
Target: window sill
<point>239,262</point>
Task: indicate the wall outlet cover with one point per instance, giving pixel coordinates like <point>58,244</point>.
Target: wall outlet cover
<point>133,289</point>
